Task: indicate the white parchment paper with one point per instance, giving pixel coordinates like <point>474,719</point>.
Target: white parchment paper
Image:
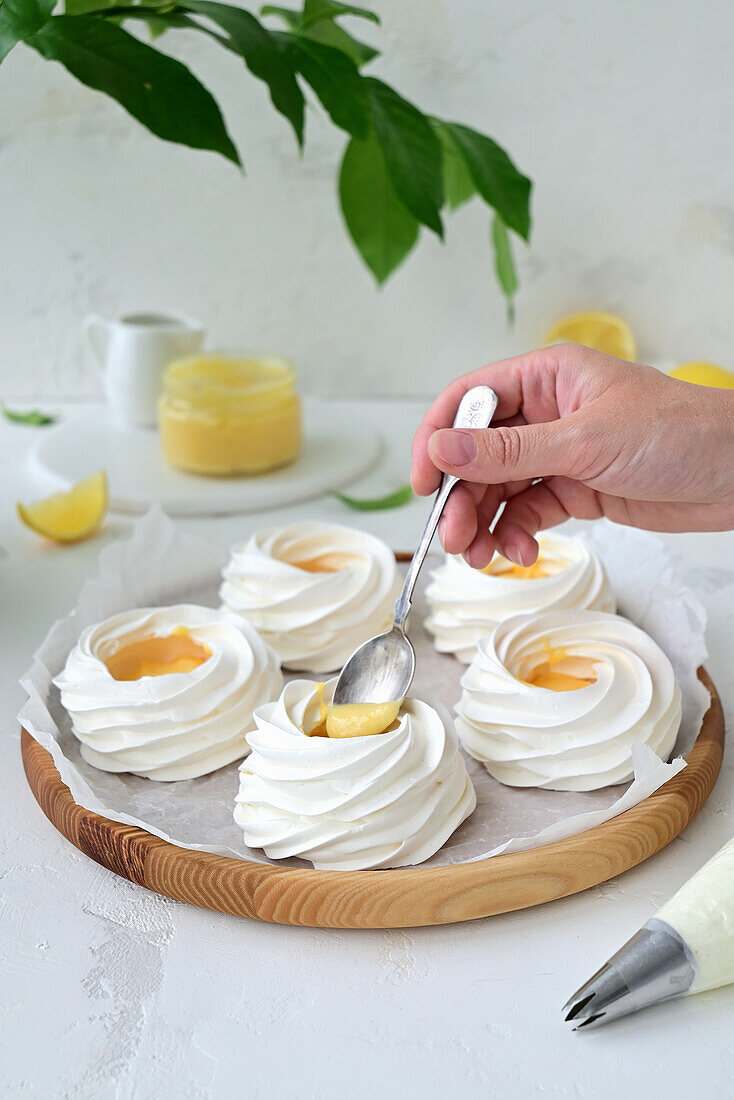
<point>160,565</point>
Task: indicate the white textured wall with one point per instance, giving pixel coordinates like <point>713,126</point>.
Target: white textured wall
<point>622,114</point>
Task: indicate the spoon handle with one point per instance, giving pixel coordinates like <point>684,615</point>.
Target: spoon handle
<point>476,409</point>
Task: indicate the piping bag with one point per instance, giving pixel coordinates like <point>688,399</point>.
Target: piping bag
<point>687,947</point>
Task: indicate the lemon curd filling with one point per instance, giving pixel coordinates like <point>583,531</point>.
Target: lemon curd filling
<point>562,671</point>
<point>323,563</point>
<point>157,656</point>
<point>220,415</point>
<point>501,567</point>
<point>353,719</point>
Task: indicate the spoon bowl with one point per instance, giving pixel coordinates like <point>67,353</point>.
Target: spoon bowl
<point>382,667</point>
<point>381,670</point>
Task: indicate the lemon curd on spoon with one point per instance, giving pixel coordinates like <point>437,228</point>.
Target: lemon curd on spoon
<point>353,719</point>
<point>157,656</point>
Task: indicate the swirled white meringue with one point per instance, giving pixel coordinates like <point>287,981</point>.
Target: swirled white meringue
<point>313,620</point>
<point>467,604</point>
<point>529,736</point>
<point>177,725</point>
<point>388,800</point>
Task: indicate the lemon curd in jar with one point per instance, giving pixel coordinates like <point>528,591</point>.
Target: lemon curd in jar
<point>219,415</point>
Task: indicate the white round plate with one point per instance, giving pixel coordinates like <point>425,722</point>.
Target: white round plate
<point>338,448</point>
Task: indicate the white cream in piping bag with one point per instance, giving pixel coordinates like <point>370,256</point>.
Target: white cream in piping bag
<point>702,913</point>
<point>687,947</point>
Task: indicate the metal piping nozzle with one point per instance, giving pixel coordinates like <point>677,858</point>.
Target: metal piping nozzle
<point>655,965</point>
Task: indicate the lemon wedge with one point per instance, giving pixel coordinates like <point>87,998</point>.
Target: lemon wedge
<point>601,331</point>
<point>70,516</point>
<point>704,374</point>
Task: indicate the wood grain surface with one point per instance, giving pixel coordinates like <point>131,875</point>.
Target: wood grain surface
<point>387,899</point>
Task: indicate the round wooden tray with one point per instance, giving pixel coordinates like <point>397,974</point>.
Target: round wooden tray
<point>388,899</point>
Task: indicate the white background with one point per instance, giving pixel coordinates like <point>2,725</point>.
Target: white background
<point>621,113</point>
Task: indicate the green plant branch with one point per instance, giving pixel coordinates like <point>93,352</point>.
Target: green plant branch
<point>401,169</point>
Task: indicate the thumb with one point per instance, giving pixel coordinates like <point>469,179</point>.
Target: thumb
<point>492,456</point>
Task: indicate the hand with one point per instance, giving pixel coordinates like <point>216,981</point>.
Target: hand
<point>580,434</point>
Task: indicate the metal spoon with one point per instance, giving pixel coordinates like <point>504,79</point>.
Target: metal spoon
<point>382,669</point>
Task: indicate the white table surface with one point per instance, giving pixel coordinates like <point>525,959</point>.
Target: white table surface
<point>111,991</point>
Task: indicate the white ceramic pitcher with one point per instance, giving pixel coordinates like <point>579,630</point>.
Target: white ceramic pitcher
<point>134,351</point>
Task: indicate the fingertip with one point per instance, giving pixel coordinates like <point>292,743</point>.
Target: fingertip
<point>511,551</point>
<point>459,521</point>
<point>452,447</point>
<point>424,478</point>
<point>482,550</point>
<point>432,447</point>
<point>441,531</point>
<point>438,445</point>
<point>529,550</point>
<point>423,486</point>
<point>519,546</point>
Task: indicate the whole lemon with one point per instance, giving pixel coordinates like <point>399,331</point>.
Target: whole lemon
<point>704,374</point>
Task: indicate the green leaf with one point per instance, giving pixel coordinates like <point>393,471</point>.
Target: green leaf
<point>262,56</point>
<point>35,418</point>
<point>19,19</point>
<point>118,9</point>
<point>290,17</point>
<point>393,500</point>
<point>378,222</point>
<point>335,80</point>
<point>157,27</point>
<point>495,177</point>
<point>504,264</point>
<point>332,35</point>
<point>412,153</point>
<point>458,186</point>
<point>81,7</point>
<point>316,11</point>
<point>156,89</point>
<point>327,32</point>
<point>159,21</point>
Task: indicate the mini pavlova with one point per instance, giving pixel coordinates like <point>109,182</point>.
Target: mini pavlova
<point>466,604</point>
<point>390,799</point>
<point>314,591</point>
<point>167,692</point>
<point>558,700</point>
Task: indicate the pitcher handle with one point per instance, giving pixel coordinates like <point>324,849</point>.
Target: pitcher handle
<point>95,330</point>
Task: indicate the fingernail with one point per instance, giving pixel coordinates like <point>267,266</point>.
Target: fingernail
<point>513,553</point>
<point>455,448</point>
<point>441,528</point>
<point>476,561</point>
<point>530,555</point>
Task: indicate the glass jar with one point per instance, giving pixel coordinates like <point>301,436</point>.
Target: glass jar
<point>223,416</point>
